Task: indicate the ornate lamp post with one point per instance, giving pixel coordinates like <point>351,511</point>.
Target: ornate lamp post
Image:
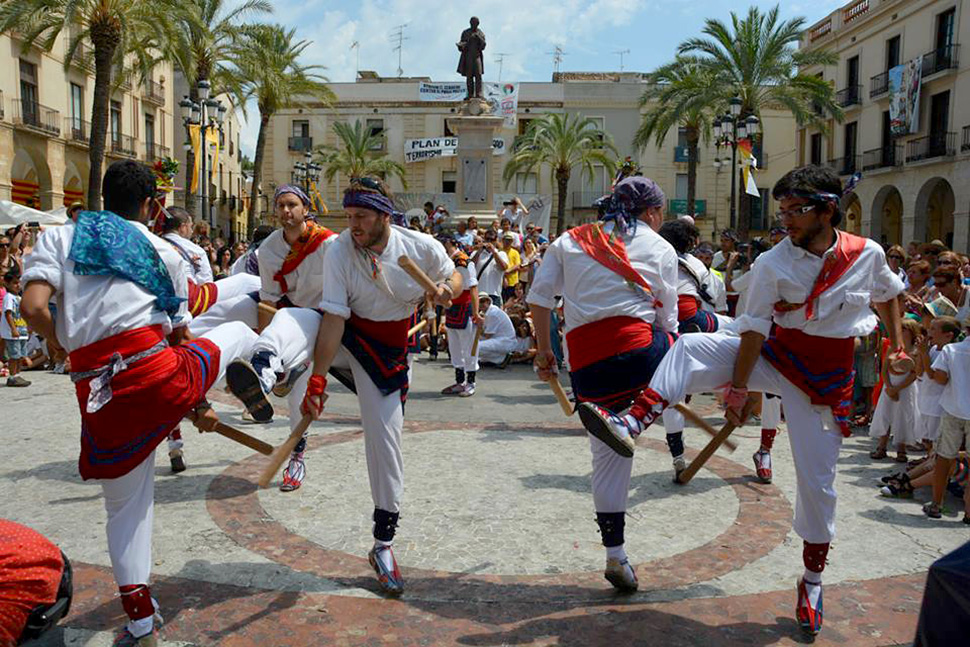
<point>729,129</point>
<point>207,114</point>
<point>306,172</point>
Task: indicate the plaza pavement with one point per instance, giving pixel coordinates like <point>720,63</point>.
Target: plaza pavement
<point>497,541</point>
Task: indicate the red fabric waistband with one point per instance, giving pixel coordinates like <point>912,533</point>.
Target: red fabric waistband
<point>687,305</point>
<point>391,333</point>
<point>96,355</point>
<point>462,299</point>
<point>608,337</point>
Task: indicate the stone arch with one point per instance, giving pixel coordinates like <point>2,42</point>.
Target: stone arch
<point>887,216</point>
<point>934,211</point>
<point>74,187</point>
<point>30,176</point>
<point>851,214</point>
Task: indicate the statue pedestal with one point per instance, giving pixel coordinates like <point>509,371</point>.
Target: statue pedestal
<point>475,174</point>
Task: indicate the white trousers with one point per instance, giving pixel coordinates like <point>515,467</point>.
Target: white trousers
<point>129,499</point>
<point>460,342</point>
<point>698,363</point>
<point>240,308</point>
<point>290,337</point>
<point>495,349</point>
<point>237,285</point>
<point>611,477</point>
<point>770,412</point>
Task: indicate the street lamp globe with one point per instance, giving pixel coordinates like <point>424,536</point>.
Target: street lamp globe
<point>717,128</point>
<point>221,113</point>
<point>196,114</point>
<point>204,88</point>
<point>754,125</point>
<point>742,130</point>
<point>735,106</point>
<point>186,105</point>
<point>727,126</point>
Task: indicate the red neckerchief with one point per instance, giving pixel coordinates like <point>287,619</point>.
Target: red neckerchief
<point>611,254</point>
<point>848,247</point>
<point>306,244</point>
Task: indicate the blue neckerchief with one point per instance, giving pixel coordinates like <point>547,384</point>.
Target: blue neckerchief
<point>107,244</point>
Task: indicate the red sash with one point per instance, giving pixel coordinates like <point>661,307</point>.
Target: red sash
<point>822,367</point>
<point>381,349</point>
<point>31,568</point>
<point>596,341</point>
<point>848,248</point>
<point>148,400</point>
<point>610,254</point>
<point>306,244</point>
<point>202,297</point>
<point>686,306</point>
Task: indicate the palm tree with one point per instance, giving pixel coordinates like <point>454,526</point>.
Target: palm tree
<point>267,69</point>
<point>561,142</point>
<point>123,33</point>
<point>682,94</point>
<point>212,32</point>
<point>757,59</point>
<point>354,155</point>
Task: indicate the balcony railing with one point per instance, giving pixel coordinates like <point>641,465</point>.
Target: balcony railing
<point>679,208</point>
<point>941,58</point>
<point>154,92</point>
<point>155,151</point>
<point>820,30</point>
<point>854,11</point>
<point>965,145</point>
<point>879,84</point>
<point>585,199</point>
<point>936,145</point>
<point>301,144</point>
<point>122,144</point>
<point>76,130</point>
<point>845,165</point>
<point>884,157</point>
<point>34,115</point>
<point>83,55</point>
<point>850,96</point>
<point>681,154</point>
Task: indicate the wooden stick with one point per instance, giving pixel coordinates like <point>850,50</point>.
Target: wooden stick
<point>281,453</point>
<point>564,403</point>
<point>478,335</point>
<point>264,315</point>
<point>418,275</point>
<point>706,453</point>
<point>699,422</point>
<point>418,327</point>
<point>243,438</point>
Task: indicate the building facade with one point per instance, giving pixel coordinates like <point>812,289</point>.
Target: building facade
<point>226,211</point>
<point>908,135</point>
<point>391,107</point>
<point>45,115</point>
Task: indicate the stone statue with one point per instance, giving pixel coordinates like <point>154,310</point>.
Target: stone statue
<point>471,65</point>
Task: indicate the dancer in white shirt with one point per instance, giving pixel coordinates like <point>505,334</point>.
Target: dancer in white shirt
<point>367,304</point>
<point>618,282</point>
<point>815,287</point>
<point>498,340</point>
<point>461,320</point>
<point>120,291</point>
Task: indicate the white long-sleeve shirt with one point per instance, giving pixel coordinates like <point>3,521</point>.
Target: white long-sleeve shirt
<point>200,269</point>
<point>491,280</point>
<point>305,283</point>
<point>91,308</point>
<point>786,272</point>
<point>592,292</point>
<point>498,325</point>
<point>391,296</point>
<point>954,360</point>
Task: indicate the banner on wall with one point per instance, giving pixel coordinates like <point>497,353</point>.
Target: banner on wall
<point>422,150</point>
<point>904,91</point>
<point>503,97</point>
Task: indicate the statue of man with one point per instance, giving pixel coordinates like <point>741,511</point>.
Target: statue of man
<point>471,65</point>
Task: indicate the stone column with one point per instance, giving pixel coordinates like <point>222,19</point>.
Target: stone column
<point>52,197</point>
<point>475,175</point>
<point>6,161</point>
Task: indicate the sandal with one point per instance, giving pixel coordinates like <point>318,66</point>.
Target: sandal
<point>878,453</point>
<point>902,458</point>
<point>893,477</point>
<point>897,491</point>
<point>932,510</point>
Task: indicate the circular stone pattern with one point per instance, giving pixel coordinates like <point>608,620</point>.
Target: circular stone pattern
<point>501,503</point>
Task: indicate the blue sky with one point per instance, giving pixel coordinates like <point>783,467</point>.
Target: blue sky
<point>526,31</point>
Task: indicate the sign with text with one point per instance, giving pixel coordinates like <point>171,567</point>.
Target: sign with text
<point>421,150</point>
<point>502,97</point>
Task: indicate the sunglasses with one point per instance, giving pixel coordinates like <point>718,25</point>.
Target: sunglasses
<point>368,183</point>
<point>897,257</point>
<point>4,244</point>
<point>797,211</point>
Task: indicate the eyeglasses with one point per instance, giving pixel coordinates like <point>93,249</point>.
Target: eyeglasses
<point>368,183</point>
<point>797,211</point>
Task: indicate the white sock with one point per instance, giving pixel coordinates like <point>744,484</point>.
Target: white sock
<point>616,552</point>
<point>143,627</point>
<point>385,556</point>
<point>811,577</point>
<point>634,423</point>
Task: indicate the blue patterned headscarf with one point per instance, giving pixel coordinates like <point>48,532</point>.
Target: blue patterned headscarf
<point>295,190</point>
<point>106,244</point>
<point>369,200</point>
<point>631,196</point>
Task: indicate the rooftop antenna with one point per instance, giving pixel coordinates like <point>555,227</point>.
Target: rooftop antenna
<point>557,55</point>
<point>398,36</point>
<point>356,45</point>
<point>621,52</point>
<point>500,57</point>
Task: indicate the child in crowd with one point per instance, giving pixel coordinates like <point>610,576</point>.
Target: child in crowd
<point>943,330</point>
<point>896,410</point>
<point>13,329</point>
<point>952,369</point>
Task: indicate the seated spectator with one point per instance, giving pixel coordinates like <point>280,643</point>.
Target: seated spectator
<point>497,341</point>
<point>525,342</point>
<point>895,257</point>
<point>516,305</point>
<point>464,236</point>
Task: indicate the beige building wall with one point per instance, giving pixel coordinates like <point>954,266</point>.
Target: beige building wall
<point>43,143</point>
<point>914,187</point>
<point>226,182</point>
<point>610,99</point>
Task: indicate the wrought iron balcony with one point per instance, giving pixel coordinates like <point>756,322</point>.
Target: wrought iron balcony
<point>965,146</point>
<point>879,84</point>
<point>940,59</point>
<point>884,157</point>
<point>123,145</point>
<point>155,151</point>
<point>585,199</point>
<point>36,116</point>
<point>845,165</point>
<point>301,144</point>
<point>77,131</point>
<point>154,92</point>
<point>936,145</point>
<point>850,96</point>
